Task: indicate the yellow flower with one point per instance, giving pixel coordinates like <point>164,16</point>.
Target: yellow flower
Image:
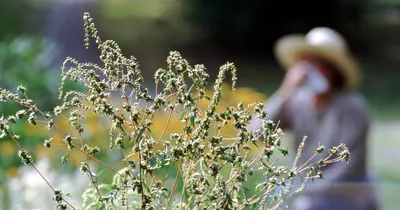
<point>37,130</point>
<point>92,123</point>
<point>42,151</point>
<point>75,158</point>
<point>248,96</point>
<point>7,149</point>
<point>13,171</point>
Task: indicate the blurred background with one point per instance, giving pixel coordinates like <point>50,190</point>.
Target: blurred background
<point>37,35</point>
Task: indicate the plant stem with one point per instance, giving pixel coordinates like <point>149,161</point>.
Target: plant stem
<point>174,186</point>
<point>155,91</point>
<point>307,161</point>
<point>140,174</point>
<point>270,188</point>
<point>184,185</point>
<point>90,171</point>
<point>165,127</point>
<point>166,177</point>
<point>97,160</point>
<point>246,166</point>
<point>92,157</point>
<point>34,167</point>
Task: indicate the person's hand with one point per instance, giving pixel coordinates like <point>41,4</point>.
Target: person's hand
<point>294,77</point>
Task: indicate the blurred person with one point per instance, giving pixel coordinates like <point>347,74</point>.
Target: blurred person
<point>318,99</point>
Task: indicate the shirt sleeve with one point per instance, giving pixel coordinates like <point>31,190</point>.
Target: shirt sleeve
<point>277,111</point>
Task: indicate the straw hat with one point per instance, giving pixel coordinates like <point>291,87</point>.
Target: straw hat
<point>324,43</point>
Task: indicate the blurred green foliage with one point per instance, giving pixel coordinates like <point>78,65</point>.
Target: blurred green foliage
<point>14,18</point>
<point>146,23</point>
<point>28,61</point>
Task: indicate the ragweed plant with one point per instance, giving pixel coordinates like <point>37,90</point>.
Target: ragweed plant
<point>195,168</point>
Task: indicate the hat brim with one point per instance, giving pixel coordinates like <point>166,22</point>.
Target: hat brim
<point>290,47</point>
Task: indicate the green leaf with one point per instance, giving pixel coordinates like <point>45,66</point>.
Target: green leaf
<point>165,160</point>
<point>165,192</point>
<point>205,163</point>
<point>106,198</point>
<point>100,173</point>
<point>265,165</point>
<point>206,97</point>
<point>246,192</point>
<point>64,159</point>
<point>228,157</point>
<point>255,143</point>
<point>153,163</point>
<point>259,187</point>
<point>141,131</point>
<point>146,187</point>
<point>182,115</point>
<point>101,206</point>
<point>284,151</point>
<point>192,120</point>
<point>109,187</point>
<point>195,82</point>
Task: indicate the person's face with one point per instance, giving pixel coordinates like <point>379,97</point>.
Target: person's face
<point>323,68</point>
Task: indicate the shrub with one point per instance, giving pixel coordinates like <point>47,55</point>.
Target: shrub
<point>196,167</point>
